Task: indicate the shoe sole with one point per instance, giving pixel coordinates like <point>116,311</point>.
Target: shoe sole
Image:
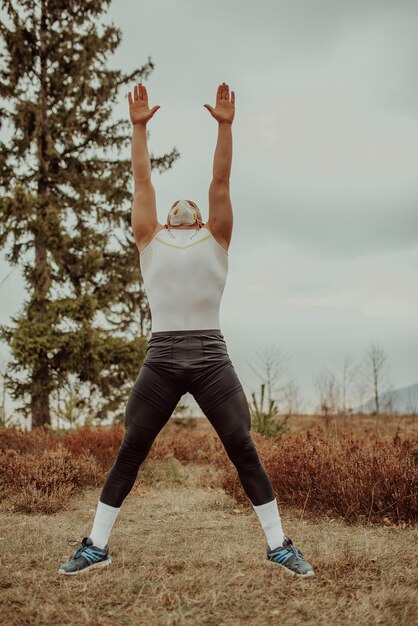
<point>289,571</point>
<point>97,565</point>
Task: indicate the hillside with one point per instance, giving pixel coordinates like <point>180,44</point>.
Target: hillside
<point>403,401</point>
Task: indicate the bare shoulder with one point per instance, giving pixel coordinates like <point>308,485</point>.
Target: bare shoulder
<point>221,238</point>
<point>143,241</point>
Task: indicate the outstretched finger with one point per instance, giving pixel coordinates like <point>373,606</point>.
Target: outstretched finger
<point>130,100</point>
<point>219,93</point>
<point>136,95</point>
<point>227,92</point>
<point>145,94</point>
<point>233,97</point>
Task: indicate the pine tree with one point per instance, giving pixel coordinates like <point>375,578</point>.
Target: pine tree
<point>66,194</point>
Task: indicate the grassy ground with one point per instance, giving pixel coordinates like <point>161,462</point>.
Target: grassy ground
<point>185,554</point>
<point>358,425</point>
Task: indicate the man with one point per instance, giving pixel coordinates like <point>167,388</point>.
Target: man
<point>184,264</point>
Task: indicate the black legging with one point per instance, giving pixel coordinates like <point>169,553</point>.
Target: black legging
<point>178,362</point>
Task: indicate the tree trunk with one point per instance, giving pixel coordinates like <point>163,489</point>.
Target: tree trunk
<point>40,396</point>
<point>40,377</point>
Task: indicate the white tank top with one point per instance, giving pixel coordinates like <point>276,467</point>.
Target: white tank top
<point>184,272</point>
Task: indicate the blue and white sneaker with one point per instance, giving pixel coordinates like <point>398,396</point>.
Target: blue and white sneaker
<point>291,559</point>
<point>86,557</point>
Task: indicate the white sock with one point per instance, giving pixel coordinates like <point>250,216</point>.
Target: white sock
<point>103,522</point>
<point>269,517</point>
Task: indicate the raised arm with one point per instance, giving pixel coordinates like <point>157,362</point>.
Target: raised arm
<point>144,208</point>
<point>220,207</point>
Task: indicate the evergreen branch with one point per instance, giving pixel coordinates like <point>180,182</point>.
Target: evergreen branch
<point>8,5</point>
<point>142,73</point>
<point>7,276</point>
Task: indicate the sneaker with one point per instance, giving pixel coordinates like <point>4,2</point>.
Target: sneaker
<point>86,557</point>
<point>291,559</point>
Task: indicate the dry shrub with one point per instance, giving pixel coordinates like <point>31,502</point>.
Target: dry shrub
<point>102,443</point>
<point>187,447</point>
<point>35,440</point>
<point>356,479</point>
<point>44,482</point>
<point>33,500</point>
<point>366,479</point>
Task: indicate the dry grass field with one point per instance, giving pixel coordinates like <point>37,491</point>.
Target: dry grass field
<point>358,425</point>
<point>187,547</point>
<point>184,553</point>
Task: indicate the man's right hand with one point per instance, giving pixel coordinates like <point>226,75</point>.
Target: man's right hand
<point>139,111</point>
<point>225,105</point>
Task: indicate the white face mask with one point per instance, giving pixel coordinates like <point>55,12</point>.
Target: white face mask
<point>182,213</point>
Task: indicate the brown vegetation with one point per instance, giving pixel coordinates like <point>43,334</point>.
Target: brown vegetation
<point>368,479</point>
<point>353,479</point>
<point>44,482</point>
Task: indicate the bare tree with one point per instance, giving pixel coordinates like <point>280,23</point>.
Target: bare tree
<point>329,395</point>
<point>360,389</point>
<point>274,372</point>
<point>374,379</point>
<point>291,397</point>
<point>374,374</point>
<point>347,370</point>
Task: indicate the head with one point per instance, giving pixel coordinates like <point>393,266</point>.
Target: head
<point>184,213</point>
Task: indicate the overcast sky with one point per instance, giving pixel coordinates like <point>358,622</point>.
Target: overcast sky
<point>324,185</point>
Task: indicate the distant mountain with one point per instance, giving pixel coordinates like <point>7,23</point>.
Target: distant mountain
<point>404,400</point>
